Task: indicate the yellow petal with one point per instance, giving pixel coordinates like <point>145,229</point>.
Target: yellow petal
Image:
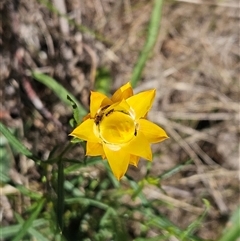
<point>134,160</point>
<point>85,131</point>
<point>94,149</point>
<point>98,100</point>
<point>118,161</point>
<point>141,103</point>
<point>139,146</point>
<point>119,106</point>
<point>123,93</point>
<point>151,131</point>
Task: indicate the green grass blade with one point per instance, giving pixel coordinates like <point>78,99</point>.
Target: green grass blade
<point>76,114</point>
<point>163,223</point>
<point>154,26</point>
<point>87,201</point>
<point>11,230</point>
<point>232,232</point>
<point>195,224</point>
<point>157,238</point>
<point>29,193</point>
<point>60,194</point>
<point>27,224</point>
<point>5,157</point>
<point>59,91</point>
<point>136,188</point>
<point>36,234</point>
<point>19,147</point>
<point>174,170</point>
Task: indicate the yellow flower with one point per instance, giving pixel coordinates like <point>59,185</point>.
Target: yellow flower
<point>117,129</point>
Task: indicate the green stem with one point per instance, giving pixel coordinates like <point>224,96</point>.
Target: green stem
<point>66,149</point>
<point>154,26</point>
<point>60,194</point>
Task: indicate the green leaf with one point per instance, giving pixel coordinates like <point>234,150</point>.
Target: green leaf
<point>29,193</point>
<point>76,140</point>
<point>232,232</point>
<point>154,26</point>
<point>36,234</point>
<point>103,81</point>
<point>76,114</point>
<point>5,157</point>
<point>27,224</point>
<point>137,188</point>
<point>195,224</point>
<point>16,143</point>
<point>60,195</point>
<point>87,201</point>
<point>174,170</point>
<point>59,91</point>
<point>163,223</point>
<point>11,230</point>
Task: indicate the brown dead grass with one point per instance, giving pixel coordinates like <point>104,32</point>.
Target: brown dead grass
<point>194,67</point>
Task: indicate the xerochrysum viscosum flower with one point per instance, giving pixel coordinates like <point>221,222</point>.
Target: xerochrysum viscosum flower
<point>116,128</point>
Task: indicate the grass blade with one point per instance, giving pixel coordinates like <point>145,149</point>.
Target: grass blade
<point>154,26</point>
<point>9,231</point>
<point>29,222</point>
<point>59,91</point>
<point>232,232</point>
<point>36,234</point>
<point>174,170</point>
<point>60,194</point>
<point>76,114</point>
<point>28,192</point>
<point>16,143</point>
<point>195,224</point>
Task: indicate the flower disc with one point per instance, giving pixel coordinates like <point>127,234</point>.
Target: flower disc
<point>116,127</point>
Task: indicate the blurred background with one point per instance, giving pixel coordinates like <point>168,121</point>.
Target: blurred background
<point>94,45</point>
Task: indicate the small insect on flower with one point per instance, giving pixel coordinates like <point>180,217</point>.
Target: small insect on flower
<point>117,129</point>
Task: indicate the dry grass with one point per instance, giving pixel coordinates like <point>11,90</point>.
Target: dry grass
<point>194,67</point>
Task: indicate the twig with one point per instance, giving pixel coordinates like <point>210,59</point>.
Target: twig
<point>46,34</point>
<point>210,185</point>
<point>94,59</point>
<point>37,102</point>
<point>152,193</point>
<point>202,116</point>
<point>32,95</point>
<point>212,174</point>
<point>61,7</point>
<point>220,4</point>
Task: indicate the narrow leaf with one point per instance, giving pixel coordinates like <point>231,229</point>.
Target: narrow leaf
<point>59,91</point>
<point>16,143</point>
<point>154,26</point>
<point>60,194</point>
<point>232,230</point>
<point>29,222</point>
<point>36,234</point>
<point>29,193</point>
<point>11,230</point>
<point>76,114</point>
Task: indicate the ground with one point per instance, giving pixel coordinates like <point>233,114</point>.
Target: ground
<point>194,67</point>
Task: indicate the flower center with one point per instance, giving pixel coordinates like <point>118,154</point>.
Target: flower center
<point>116,126</point>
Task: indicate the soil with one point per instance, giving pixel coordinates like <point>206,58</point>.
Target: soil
<point>194,67</point>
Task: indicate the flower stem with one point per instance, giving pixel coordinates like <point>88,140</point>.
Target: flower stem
<point>60,194</point>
